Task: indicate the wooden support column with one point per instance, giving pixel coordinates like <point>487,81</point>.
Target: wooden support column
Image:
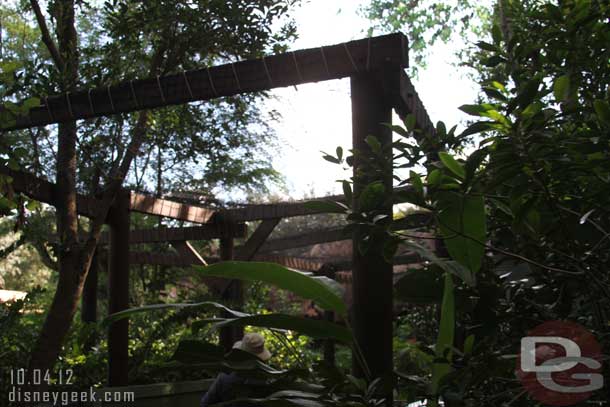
<point>371,311</point>
<point>89,299</point>
<point>118,290</point>
<point>233,295</point>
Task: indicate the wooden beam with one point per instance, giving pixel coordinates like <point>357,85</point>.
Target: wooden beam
<point>174,260</point>
<point>203,232</point>
<point>160,259</point>
<point>406,101</point>
<point>250,248</point>
<point>44,191</point>
<point>169,209</point>
<point>275,71</point>
<point>411,221</point>
<point>291,209</point>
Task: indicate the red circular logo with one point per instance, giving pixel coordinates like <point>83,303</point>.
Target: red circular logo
<point>559,363</point>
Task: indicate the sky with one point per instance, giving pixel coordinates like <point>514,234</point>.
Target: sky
<point>317,117</point>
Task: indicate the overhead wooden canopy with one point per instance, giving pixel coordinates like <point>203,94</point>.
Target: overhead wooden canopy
<point>275,71</point>
<point>45,191</point>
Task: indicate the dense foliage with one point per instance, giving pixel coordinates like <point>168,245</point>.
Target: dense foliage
<point>523,215</point>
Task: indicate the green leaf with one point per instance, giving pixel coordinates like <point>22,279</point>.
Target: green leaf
<point>30,103</point>
<point>441,129</point>
<point>372,196</point>
<point>339,153</point>
<point>331,159</point>
<point>487,46</point>
<point>324,291</point>
<point>473,110</point>
<point>347,191</point>
<point>318,329</point>
<point>561,88</point>
<point>526,95</point>
<point>494,94</point>
<point>477,128</point>
<point>498,86</point>
<point>534,108</point>
<point>416,182</point>
<point>496,34</point>
<point>446,334</point>
<point>374,143</point>
<point>462,222</point>
<point>602,109</point>
<point>400,131</point>
<point>452,165</point>
<point>196,351</point>
<point>410,122</point>
<point>157,307</point>
<point>474,161</point>
<point>493,61</point>
<point>434,177</point>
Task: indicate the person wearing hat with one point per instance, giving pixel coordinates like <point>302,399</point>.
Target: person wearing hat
<point>224,388</point>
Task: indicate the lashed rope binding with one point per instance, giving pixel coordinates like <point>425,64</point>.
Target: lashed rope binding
<point>46,102</point>
<point>349,55</point>
<point>325,61</point>
<point>69,105</point>
<point>236,77</point>
<point>110,97</point>
<point>267,72</point>
<point>296,65</point>
<point>90,102</point>
<point>133,94</point>
<point>188,85</point>
<point>160,89</point>
<point>212,83</point>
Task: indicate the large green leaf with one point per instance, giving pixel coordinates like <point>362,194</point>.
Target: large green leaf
<point>156,307</point>
<point>602,109</point>
<point>561,88</point>
<point>319,329</point>
<point>454,166</point>
<point>196,351</point>
<point>446,334</point>
<point>324,291</point>
<point>462,223</point>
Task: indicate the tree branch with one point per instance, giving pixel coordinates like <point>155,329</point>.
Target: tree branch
<point>46,36</point>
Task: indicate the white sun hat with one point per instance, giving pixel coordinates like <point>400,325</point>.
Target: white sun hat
<point>255,344</point>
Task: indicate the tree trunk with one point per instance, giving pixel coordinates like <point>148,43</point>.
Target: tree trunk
<point>74,258</point>
<point>69,287</point>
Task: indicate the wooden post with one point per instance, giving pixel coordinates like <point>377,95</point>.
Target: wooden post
<point>89,300</point>
<point>232,296</point>
<point>372,276</point>
<point>329,344</point>
<point>118,290</point>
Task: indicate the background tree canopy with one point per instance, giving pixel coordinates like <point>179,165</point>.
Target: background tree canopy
<point>519,198</point>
